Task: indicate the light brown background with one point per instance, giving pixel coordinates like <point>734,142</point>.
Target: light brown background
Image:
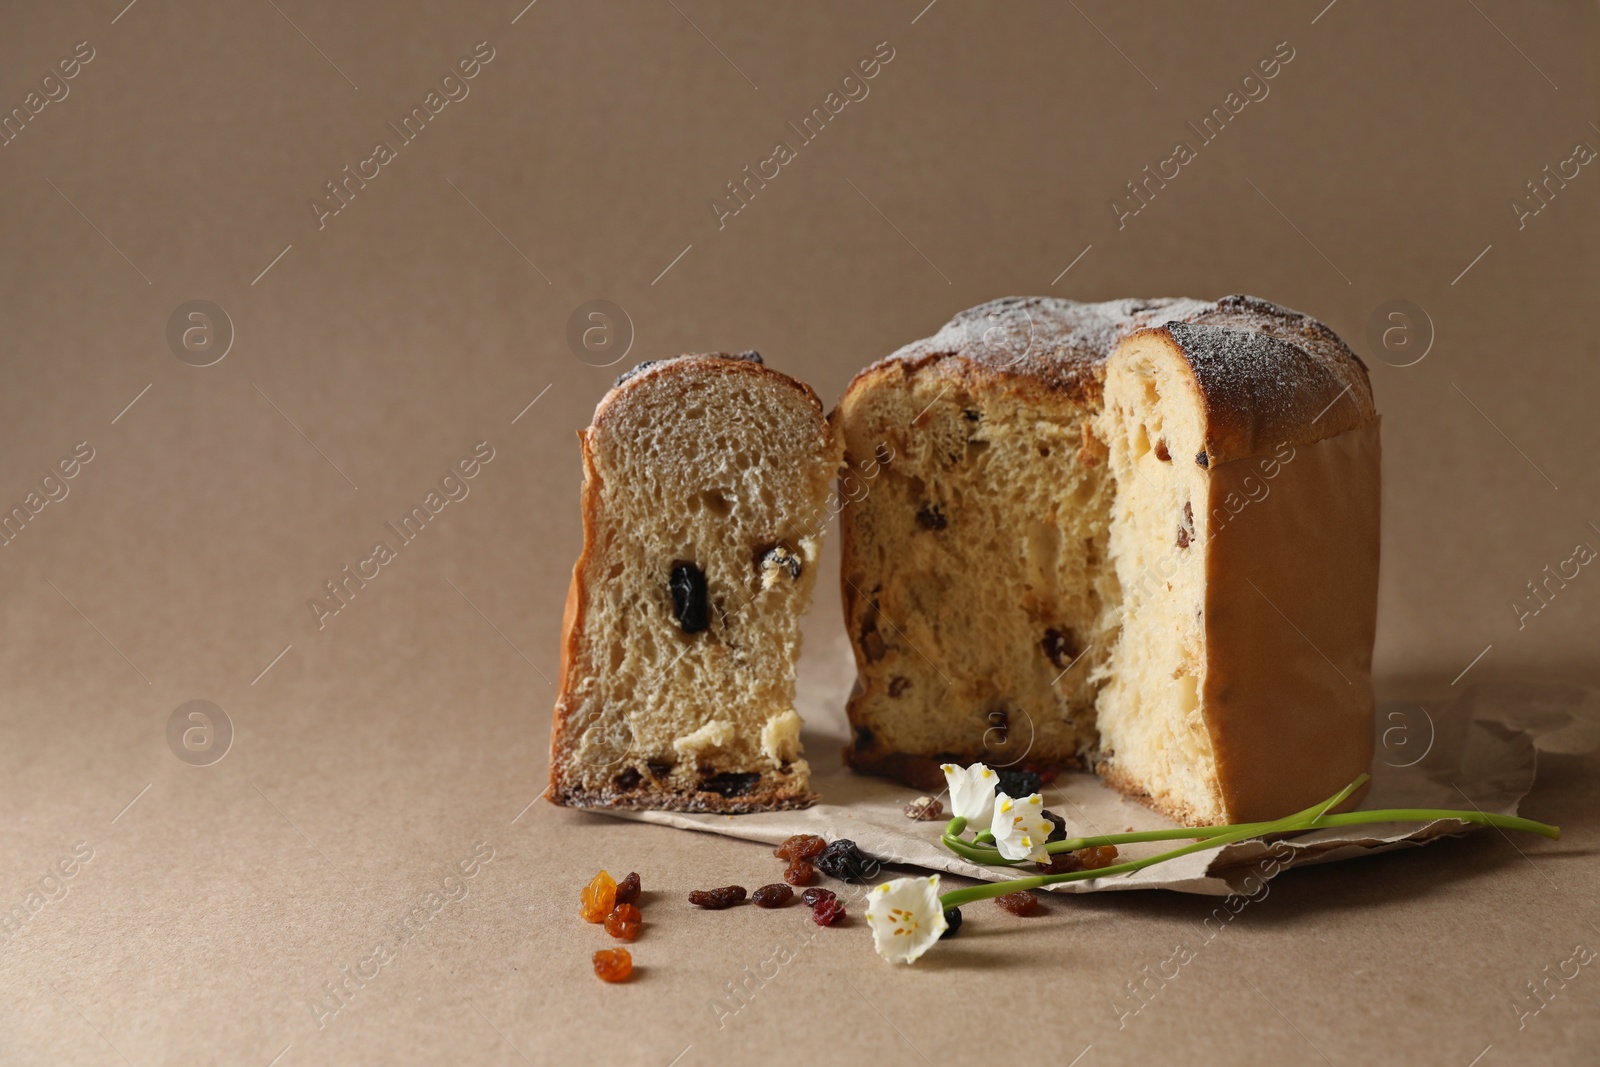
<point>376,751</point>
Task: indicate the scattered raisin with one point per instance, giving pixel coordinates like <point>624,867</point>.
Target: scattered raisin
<point>800,847</point>
<point>628,889</point>
<point>1161,451</point>
<point>898,685</point>
<point>864,738</point>
<point>844,861</point>
<point>624,922</point>
<point>1017,783</point>
<point>689,607</point>
<point>658,770</point>
<point>1061,863</point>
<point>972,416</point>
<point>613,964</point>
<point>1183,537</point>
<point>775,895</point>
<point>1186,527</point>
<point>1019,903</point>
<point>1097,857</point>
<point>924,809</point>
<point>799,872</point>
<point>931,517</point>
<point>629,780</point>
<point>1061,646</point>
<point>717,899</point>
<point>731,783</point>
<point>1203,460</point>
<point>598,898</point>
<point>813,897</point>
<point>828,913</point>
<point>952,918</point>
<point>1058,824</point>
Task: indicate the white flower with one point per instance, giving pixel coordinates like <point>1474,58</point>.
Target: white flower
<point>1020,828</point>
<point>971,791</point>
<point>906,917</point>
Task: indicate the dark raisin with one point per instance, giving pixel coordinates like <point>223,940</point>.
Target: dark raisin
<point>1015,783</point>
<point>931,517</point>
<point>898,685</point>
<point>775,895</point>
<point>778,558</point>
<point>864,737</point>
<point>1203,460</point>
<point>1019,903</point>
<point>972,416</point>
<point>844,861</point>
<point>799,872</point>
<point>952,918</point>
<point>800,847</point>
<point>924,809</point>
<point>731,783</point>
<point>629,779</point>
<point>1188,514</point>
<point>658,770</point>
<point>1058,824</point>
<point>1161,451</point>
<point>717,899</point>
<point>628,889</point>
<point>750,356</point>
<point>1186,527</point>
<point>1183,537</point>
<point>813,897</point>
<point>828,913</point>
<point>689,606</point>
<point>872,643</point>
<point>1061,646</point>
<point>1061,863</point>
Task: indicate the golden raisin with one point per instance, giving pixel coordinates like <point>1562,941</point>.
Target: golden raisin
<point>799,872</point>
<point>1019,903</point>
<point>1100,856</point>
<point>598,898</point>
<point>800,847</point>
<point>628,889</point>
<point>624,922</point>
<point>613,964</point>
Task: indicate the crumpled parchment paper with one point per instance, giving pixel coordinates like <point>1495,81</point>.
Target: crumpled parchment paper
<point>1479,750</point>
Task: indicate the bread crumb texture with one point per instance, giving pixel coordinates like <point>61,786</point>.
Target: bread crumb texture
<point>704,502</point>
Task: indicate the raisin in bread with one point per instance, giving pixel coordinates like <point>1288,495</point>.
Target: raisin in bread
<point>1139,536</point>
<point>704,500</point>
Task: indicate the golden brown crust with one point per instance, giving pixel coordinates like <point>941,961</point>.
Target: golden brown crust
<point>1267,375</point>
<point>563,789</point>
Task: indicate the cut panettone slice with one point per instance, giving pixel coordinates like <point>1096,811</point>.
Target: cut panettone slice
<point>1139,536</point>
<point>705,496</point>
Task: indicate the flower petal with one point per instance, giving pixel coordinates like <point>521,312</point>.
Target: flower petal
<point>971,791</point>
<point>906,917</point>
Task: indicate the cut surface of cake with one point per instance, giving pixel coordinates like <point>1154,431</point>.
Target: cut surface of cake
<point>1138,536</point>
<point>705,496</point>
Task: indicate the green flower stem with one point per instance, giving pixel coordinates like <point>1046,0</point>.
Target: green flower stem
<point>955,898</point>
<point>979,852</point>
